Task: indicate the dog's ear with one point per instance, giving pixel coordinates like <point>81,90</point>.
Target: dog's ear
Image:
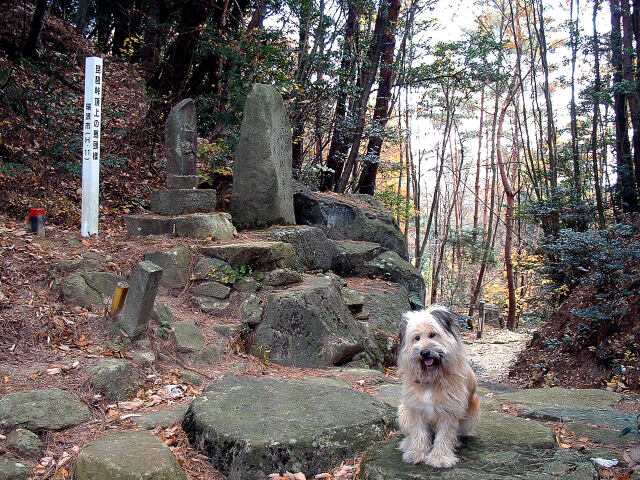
<point>446,318</point>
<point>402,329</point>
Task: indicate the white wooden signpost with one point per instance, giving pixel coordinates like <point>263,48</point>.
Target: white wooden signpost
<point>91,119</point>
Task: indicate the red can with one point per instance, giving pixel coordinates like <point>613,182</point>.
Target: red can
<point>37,217</point>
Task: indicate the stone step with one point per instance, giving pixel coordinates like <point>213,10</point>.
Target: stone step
<point>127,456</point>
<point>183,201</point>
<point>251,427</point>
<point>217,225</point>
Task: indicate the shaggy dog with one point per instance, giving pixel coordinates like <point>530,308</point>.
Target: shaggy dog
<point>439,403</point>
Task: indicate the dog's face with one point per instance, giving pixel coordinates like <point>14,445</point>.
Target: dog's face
<point>429,344</point>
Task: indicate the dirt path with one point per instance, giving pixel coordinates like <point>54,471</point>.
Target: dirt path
<point>495,352</point>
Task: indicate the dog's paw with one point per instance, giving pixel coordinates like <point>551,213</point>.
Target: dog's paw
<point>414,456</point>
<point>438,460</point>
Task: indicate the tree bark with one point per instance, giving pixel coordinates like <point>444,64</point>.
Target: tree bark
<point>170,76</point>
<point>625,184</point>
<point>339,139</point>
<point>596,119</point>
<point>369,71</point>
<point>33,39</point>
<point>367,182</point>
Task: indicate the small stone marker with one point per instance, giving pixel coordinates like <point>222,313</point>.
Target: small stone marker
<point>138,305</point>
<point>262,184</point>
<point>182,148</point>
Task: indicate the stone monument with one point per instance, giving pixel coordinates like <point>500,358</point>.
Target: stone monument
<point>182,209</point>
<point>181,132</point>
<point>262,184</point>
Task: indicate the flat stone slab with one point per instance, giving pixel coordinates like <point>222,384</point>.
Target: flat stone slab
<point>48,409</point>
<point>257,255</point>
<point>197,225</point>
<point>11,468</point>
<point>188,336</point>
<point>127,456</point>
<point>589,406</point>
<point>502,447</point>
<point>588,397</point>
<point>183,201</point>
<point>251,427</point>
<point>480,459</point>
<point>162,418</point>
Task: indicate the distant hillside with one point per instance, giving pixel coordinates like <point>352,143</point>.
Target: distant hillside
<point>593,339</point>
<point>40,126</point>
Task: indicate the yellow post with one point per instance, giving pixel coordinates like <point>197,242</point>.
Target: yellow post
<point>119,294</point>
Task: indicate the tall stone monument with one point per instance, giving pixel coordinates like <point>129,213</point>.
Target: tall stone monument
<point>181,132</point>
<point>262,184</point>
<point>182,209</point>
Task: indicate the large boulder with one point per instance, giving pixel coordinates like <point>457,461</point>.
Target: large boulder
<point>175,266</point>
<point>314,251</point>
<point>260,256</point>
<point>262,191</point>
<point>480,460</point>
<point>354,217</point>
<point>48,409</point>
<point>389,266</point>
<point>252,427</point>
<point>352,256</point>
<point>127,456</point>
<point>308,326</point>
<point>385,303</point>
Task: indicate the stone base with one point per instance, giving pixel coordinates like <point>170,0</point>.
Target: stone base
<point>183,201</point>
<point>179,182</point>
<point>251,427</point>
<point>218,226</point>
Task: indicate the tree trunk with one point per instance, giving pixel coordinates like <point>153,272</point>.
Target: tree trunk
<point>475,295</point>
<point>82,15</point>
<point>339,144</point>
<point>629,77</point>
<point>152,43</point>
<point>509,216</point>
<point>625,184</point>
<point>369,70</point>
<point>170,76</point>
<point>575,154</point>
<point>367,182</point>
<point>33,39</point>
<point>596,119</point>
